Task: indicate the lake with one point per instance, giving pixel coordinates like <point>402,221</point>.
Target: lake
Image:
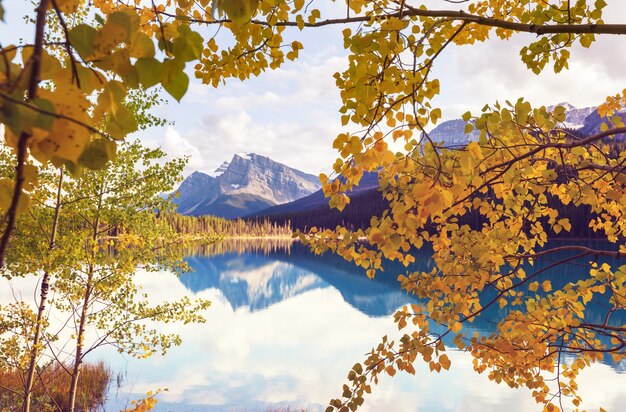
<point>284,328</point>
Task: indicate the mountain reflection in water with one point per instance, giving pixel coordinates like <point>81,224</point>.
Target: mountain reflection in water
<point>261,276</point>
<point>258,274</point>
<point>286,325</point>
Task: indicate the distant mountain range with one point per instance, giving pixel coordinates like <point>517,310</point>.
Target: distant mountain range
<point>246,184</point>
<point>586,121</point>
<point>254,186</point>
<point>365,201</point>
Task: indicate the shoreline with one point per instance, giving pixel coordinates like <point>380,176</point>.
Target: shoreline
<point>217,239</point>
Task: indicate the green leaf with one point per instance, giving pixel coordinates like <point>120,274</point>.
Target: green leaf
<point>97,154</point>
<point>149,71</point>
<point>81,38</point>
<point>31,177</point>
<point>123,20</point>
<point>10,115</point>
<point>174,79</point>
<point>90,79</point>
<point>6,197</point>
<point>188,45</point>
<point>112,97</point>
<point>23,204</point>
<point>586,40</point>
<point>122,123</point>
<point>127,72</point>
<point>182,17</point>
<point>1,11</point>
<point>74,169</point>
<point>44,121</point>
<point>239,11</point>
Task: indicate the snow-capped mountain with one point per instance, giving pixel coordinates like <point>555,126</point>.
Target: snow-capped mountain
<point>246,184</point>
<point>584,120</point>
<point>452,133</point>
<point>574,117</point>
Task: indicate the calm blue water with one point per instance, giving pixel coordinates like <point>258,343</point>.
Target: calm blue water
<point>284,328</point>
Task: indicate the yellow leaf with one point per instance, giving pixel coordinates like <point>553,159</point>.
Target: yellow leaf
<point>6,192</point>
<point>444,361</point>
<point>68,6</point>
<point>475,149</point>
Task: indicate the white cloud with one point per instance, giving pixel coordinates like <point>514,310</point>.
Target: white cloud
<point>489,72</point>
<point>176,145</point>
<point>472,76</point>
<point>290,115</point>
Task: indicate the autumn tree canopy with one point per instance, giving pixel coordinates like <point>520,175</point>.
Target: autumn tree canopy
<point>63,99</point>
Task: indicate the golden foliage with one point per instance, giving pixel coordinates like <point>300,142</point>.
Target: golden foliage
<point>65,102</point>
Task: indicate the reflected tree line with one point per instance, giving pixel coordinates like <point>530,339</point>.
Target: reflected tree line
<point>211,227</point>
<point>240,246</point>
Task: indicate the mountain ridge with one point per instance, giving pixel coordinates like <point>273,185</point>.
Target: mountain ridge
<point>365,201</point>
<point>254,186</point>
<point>247,183</point>
<point>585,120</point>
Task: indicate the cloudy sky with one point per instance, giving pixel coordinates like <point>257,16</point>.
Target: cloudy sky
<point>291,114</point>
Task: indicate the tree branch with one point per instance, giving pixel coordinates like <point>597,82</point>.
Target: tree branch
<point>538,29</point>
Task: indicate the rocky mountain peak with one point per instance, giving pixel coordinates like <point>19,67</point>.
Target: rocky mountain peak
<point>197,179</point>
<point>567,106</point>
<point>221,169</point>
<point>247,183</point>
<point>245,156</point>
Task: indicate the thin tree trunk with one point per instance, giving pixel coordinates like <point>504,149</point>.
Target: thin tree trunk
<point>45,282</point>
<point>78,361</point>
<point>78,357</point>
<point>22,147</point>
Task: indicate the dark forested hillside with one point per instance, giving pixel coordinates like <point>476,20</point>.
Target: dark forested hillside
<point>366,205</point>
<point>356,215</point>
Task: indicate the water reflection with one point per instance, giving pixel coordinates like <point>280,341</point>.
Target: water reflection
<point>260,278</point>
<point>258,274</point>
<point>241,246</point>
<point>285,327</point>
